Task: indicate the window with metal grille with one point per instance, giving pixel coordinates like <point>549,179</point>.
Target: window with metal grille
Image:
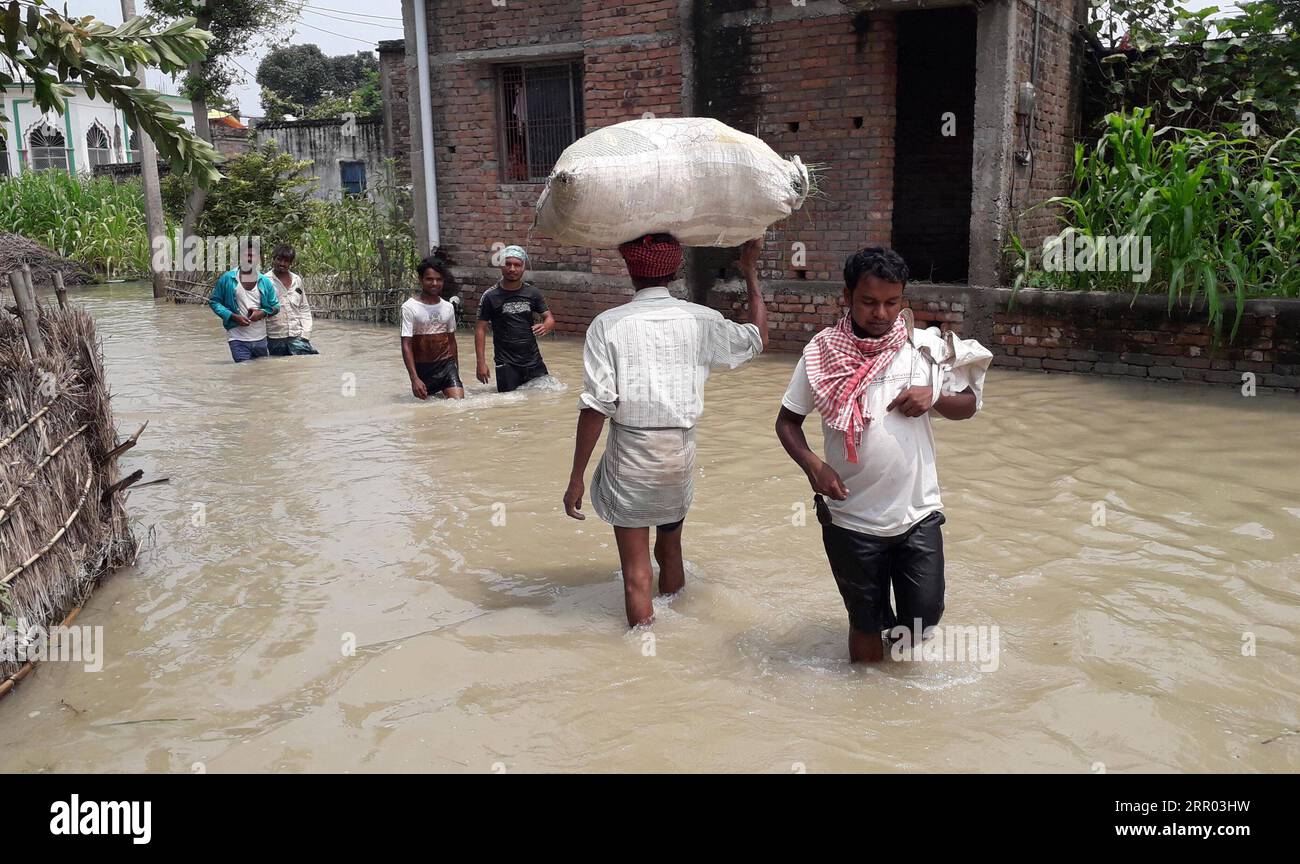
<point>97,147</point>
<point>540,112</point>
<point>46,148</point>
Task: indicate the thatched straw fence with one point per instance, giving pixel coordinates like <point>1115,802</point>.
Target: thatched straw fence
<point>62,522</point>
<point>332,295</point>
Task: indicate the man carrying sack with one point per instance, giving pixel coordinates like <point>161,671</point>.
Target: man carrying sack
<point>645,364</point>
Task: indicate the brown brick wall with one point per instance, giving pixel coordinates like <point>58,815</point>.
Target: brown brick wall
<point>822,89</point>
<point>397,117</point>
<point>620,82</point>
<point>1107,334</point>
<point>1056,118</point>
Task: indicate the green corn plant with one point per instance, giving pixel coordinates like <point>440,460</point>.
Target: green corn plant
<point>1220,212</point>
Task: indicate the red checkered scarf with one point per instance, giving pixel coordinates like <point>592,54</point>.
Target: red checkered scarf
<point>652,256</point>
<point>840,366</point>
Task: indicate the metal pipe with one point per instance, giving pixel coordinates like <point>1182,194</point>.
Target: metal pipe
<point>421,13</point>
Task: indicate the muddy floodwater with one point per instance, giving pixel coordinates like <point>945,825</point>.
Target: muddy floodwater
<point>313,504</point>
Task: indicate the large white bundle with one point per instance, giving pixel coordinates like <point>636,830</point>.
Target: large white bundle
<point>693,177</point>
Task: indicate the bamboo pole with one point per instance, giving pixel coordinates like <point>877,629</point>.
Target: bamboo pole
<point>36,556</point>
<point>23,428</point>
<point>27,312</point>
<point>7,507</point>
<point>60,291</point>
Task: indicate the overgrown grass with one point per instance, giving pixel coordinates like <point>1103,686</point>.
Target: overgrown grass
<point>344,236</point>
<point>94,221</point>
<point>1221,214</point>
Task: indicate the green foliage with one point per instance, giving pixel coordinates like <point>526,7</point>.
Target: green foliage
<point>365,101</point>
<point>1223,213</point>
<point>48,49</point>
<point>1198,70</point>
<point>236,26</point>
<point>295,75</point>
<point>264,192</point>
<point>96,222</point>
<point>343,236</point>
<point>275,107</point>
<point>300,80</point>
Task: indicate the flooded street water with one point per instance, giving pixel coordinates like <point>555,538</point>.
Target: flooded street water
<point>335,507</point>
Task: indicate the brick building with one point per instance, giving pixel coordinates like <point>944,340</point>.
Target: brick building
<point>914,110</point>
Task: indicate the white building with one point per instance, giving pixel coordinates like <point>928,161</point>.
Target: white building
<point>89,132</point>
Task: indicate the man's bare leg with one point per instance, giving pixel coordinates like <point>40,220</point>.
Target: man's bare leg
<point>668,552</point>
<point>638,576</point>
<point>865,647</point>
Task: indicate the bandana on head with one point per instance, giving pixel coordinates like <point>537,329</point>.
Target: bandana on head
<point>514,252</point>
<point>652,256</point>
<point>840,366</point>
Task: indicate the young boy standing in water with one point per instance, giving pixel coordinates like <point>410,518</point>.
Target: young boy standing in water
<point>508,307</point>
<point>875,384</point>
<point>429,336</point>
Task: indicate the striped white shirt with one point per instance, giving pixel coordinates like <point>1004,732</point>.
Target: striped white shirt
<point>645,362</point>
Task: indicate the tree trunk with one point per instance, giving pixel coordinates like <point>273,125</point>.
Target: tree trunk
<point>198,195</point>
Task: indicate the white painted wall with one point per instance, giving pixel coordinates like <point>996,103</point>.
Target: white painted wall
<point>80,114</point>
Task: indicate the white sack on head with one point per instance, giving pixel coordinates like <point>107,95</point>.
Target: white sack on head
<point>693,177</point>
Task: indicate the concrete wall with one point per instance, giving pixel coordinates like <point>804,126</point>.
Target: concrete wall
<point>326,144</point>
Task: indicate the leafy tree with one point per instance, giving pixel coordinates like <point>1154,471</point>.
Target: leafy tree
<point>43,49</point>
<point>300,80</point>
<point>1198,70</point>
<point>264,192</point>
<point>235,25</point>
<point>365,101</point>
<point>350,71</point>
<point>295,74</point>
<point>275,107</point>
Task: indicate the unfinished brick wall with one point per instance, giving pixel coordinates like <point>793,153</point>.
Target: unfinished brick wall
<point>397,117</point>
<point>821,88</point>
<point>1108,334</point>
<point>797,310</point>
<point>1056,115</point>
<point>619,82</point>
<point>1066,331</point>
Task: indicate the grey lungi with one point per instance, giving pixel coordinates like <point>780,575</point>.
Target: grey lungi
<point>646,477</point>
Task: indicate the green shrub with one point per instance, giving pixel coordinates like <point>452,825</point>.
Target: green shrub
<point>1221,213</point>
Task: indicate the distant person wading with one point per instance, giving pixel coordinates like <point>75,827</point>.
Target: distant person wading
<point>244,299</point>
<point>509,307</point>
<point>429,349</point>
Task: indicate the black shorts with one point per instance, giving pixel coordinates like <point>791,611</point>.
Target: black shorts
<point>443,375</point>
<point>510,376</point>
<point>865,566</point>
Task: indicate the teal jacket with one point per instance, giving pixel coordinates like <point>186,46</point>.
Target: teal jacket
<point>223,300</point>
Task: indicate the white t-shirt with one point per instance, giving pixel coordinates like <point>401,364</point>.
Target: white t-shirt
<point>248,302</point>
<point>895,483</point>
<point>433,328</point>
